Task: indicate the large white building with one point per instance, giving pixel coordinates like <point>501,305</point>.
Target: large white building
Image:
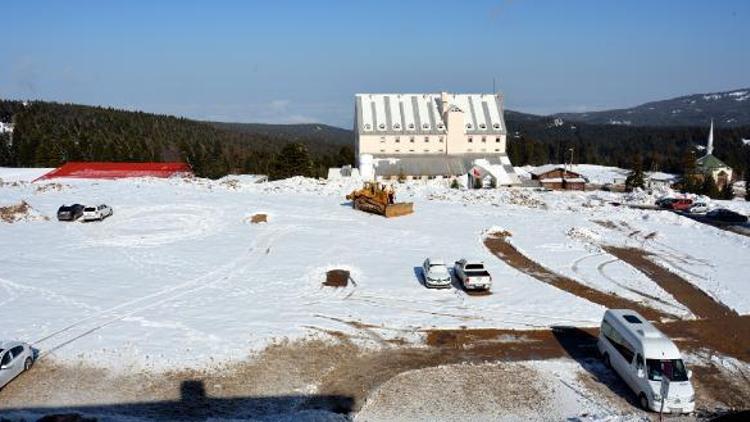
<point>432,135</point>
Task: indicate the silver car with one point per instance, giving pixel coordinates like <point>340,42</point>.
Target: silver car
<point>436,274</point>
<point>15,357</point>
<point>97,213</point>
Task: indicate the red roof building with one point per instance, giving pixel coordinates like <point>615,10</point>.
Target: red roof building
<point>113,170</point>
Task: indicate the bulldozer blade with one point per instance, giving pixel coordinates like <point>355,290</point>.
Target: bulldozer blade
<point>395,210</point>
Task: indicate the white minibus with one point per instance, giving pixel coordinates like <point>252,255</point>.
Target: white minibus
<point>645,358</point>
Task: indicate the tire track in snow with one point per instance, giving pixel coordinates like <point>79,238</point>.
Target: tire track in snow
<point>104,318</point>
<point>600,269</point>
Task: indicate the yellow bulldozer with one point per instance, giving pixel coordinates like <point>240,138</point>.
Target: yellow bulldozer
<point>377,199</point>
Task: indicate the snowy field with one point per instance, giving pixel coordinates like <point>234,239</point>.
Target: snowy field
<point>178,276</point>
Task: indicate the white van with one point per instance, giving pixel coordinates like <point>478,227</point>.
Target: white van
<point>642,356</point>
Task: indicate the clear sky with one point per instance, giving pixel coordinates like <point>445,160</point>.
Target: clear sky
<point>299,61</point>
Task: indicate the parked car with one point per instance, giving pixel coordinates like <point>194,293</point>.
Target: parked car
<point>678,204</point>
<point>726,216</point>
<point>698,208</point>
<point>436,274</point>
<point>473,275</point>
<point>664,202</point>
<point>70,212</point>
<point>99,212</point>
<point>15,357</point>
<point>642,356</point>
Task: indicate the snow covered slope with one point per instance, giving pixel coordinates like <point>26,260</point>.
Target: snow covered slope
<point>180,277</point>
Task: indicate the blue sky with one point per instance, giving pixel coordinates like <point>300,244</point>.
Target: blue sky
<point>299,61</point>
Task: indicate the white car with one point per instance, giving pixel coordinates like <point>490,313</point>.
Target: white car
<point>99,212</point>
<point>15,357</point>
<point>436,274</point>
<point>647,360</point>
<point>473,275</point>
<point>698,208</point>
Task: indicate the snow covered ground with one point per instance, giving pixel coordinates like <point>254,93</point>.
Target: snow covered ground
<point>179,277</point>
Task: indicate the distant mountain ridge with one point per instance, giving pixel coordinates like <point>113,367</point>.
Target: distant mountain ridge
<point>727,108</point>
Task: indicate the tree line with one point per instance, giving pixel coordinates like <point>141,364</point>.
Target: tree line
<point>48,134</point>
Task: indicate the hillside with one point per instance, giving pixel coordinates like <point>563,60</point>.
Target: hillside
<point>728,109</point>
<point>306,132</point>
<point>47,134</point>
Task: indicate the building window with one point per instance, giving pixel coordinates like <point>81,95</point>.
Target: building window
<point>427,150</point>
<point>440,150</point>
<point>398,140</point>
<point>497,140</point>
<point>468,150</point>
<point>484,140</point>
<point>382,150</point>
<point>471,140</point>
<point>497,149</point>
<point>440,139</point>
<point>427,139</point>
<point>411,139</point>
<point>382,139</point>
<point>411,150</point>
<point>398,150</point>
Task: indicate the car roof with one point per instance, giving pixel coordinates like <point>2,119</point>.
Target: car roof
<point>9,344</point>
<point>436,261</point>
<point>655,344</point>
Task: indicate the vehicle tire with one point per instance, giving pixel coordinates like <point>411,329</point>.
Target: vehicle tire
<point>643,400</point>
<point>607,363</point>
<point>27,364</point>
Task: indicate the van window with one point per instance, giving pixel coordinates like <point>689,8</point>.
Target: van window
<point>673,368</point>
<point>617,341</point>
<point>632,319</point>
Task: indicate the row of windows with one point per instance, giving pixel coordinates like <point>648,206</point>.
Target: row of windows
<point>411,140</point>
<point>619,343</point>
<point>440,150</point>
<point>440,140</point>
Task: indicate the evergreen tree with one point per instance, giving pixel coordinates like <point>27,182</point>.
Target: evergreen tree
<point>709,187</point>
<point>727,192</point>
<point>747,184</point>
<point>635,178</point>
<point>455,184</point>
<point>690,181</point>
<point>292,160</point>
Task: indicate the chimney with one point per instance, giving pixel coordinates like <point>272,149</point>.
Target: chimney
<point>444,102</point>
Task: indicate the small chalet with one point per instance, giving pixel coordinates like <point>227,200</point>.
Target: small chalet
<point>558,177</point>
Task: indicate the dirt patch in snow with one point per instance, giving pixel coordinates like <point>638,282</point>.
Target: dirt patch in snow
<point>337,278</point>
<point>497,243</point>
<point>607,224</point>
<point>19,212</point>
<point>695,299</point>
<point>259,218</point>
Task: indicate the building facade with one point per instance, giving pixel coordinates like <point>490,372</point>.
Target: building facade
<point>429,135</point>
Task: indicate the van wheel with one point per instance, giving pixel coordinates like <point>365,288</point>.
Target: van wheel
<point>27,364</point>
<point>607,363</point>
<point>644,402</point>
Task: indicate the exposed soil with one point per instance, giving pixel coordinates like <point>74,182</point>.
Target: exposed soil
<point>695,299</point>
<point>337,278</point>
<point>15,212</point>
<point>497,243</point>
<point>259,218</point>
